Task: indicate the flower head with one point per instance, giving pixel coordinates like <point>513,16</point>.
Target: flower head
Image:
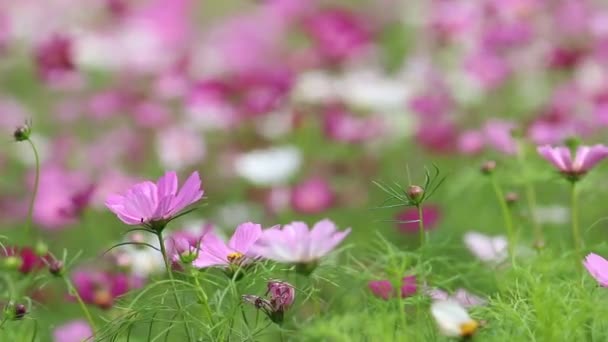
<point>585,158</point>
<point>453,320</point>
<point>73,331</point>
<point>385,290</point>
<point>101,288</point>
<point>235,254</point>
<point>598,268</point>
<point>296,244</point>
<point>281,296</point>
<point>461,296</point>
<point>155,203</point>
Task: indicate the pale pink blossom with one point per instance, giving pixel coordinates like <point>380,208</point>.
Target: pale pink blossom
<point>598,268</point>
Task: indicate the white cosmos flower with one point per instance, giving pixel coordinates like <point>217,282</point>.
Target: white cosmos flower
<point>487,248</point>
<point>452,319</point>
<point>270,166</point>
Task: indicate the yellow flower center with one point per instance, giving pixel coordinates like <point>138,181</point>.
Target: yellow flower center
<point>468,328</point>
<point>235,257</point>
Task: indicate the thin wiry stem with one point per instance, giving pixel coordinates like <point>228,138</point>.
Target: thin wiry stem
<point>421,226</point>
<point>506,215</point>
<point>30,211</point>
<point>163,251</point>
<point>83,307</point>
<point>576,231</point>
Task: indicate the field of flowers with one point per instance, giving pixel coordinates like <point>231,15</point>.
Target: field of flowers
<point>291,170</point>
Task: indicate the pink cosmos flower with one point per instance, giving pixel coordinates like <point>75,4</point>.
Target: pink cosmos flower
<point>341,125</point>
<point>101,288</point>
<point>73,331</point>
<point>62,197</point>
<point>585,159</point>
<point>385,290</point>
<point>598,268</point>
<point>296,244</point>
<point>492,249</point>
<point>431,215</point>
<point>150,203</point>
<point>312,196</point>
<point>237,252</point>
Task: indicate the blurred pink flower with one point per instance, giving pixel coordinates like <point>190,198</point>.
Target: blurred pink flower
<point>151,114</point>
<point>54,57</point>
<point>341,125</point>
<point>471,142</point>
<point>498,134</point>
<point>237,252</point>
<point>295,243</point>
<point>101,288</point>
<point>338,34</point>
<point>437,136</point>
<point>73,331</point>
<point>150,203</point>
<point>431,215</point>
<point>180,147</point>
<point>489,69</point>
<point>385,290</point>
<point>585,159</point>
<point>598,268</point>
<point>62,197</point>
<point>209,105</point>
<point>312,196</point>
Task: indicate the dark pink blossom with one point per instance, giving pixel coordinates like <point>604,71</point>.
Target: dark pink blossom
<point>384,288</point>
<point>338,34</point>
<point>101,288</point>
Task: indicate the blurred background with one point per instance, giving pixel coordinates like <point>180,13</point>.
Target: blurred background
<point>290,110</point>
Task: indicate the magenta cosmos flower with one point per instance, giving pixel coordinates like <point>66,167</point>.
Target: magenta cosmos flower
<point>598,268</point>
<point>296,244</point>
<point>385,289</point>
<point>155,204</point>
<point>235,254</point>
<point>585,159</point>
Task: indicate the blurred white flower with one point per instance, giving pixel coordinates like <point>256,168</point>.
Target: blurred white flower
<point>370,89</point>
<point>487,248</point>
<point>452,319</point>
<point>552,214</point>
<point>270,166</point>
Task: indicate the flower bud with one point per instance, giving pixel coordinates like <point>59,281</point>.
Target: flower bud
<point>56,268</point>
<point>415,193</point>
<point>41,249</point>
<point>488,167</point>
<point>511,197</point>
<point>20,311</point>
<point>22,132</point>
<point>282,294</point>
<point>13,263</point>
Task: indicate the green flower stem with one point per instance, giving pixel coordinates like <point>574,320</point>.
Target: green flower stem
<point>531,199</point>
<point>203,297</point>
<point>576,231</point>
<point>83,306</point>
<point>421,226</point>
<point>30,211</point>
<point>506,215</point>
<point>163,251</point>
